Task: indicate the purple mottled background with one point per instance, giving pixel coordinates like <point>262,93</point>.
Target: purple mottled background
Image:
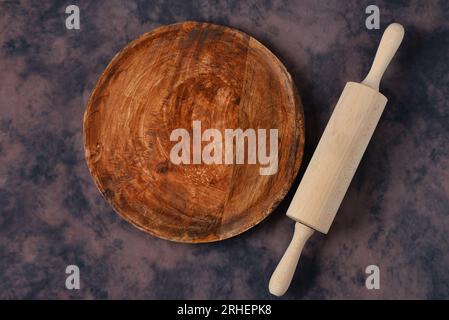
<point>395,214</point>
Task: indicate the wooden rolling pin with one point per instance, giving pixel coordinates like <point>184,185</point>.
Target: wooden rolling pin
<point>336,158</point>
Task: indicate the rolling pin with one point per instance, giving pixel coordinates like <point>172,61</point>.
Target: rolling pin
<point>336,158</point>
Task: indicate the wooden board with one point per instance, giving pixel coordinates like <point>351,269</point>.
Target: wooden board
<point>165,80</point>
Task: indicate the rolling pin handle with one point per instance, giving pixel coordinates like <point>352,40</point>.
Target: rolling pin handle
<point>389,44</point>
<point>282,276</point>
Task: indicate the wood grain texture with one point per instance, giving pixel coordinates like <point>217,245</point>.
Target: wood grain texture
<point>165,80</point>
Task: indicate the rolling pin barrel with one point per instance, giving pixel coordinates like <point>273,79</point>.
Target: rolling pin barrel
<point>337,156</point>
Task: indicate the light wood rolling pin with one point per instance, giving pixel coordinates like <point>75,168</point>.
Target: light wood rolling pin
<point>336,158</point>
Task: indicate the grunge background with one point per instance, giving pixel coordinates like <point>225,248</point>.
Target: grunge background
<point>395,214</point>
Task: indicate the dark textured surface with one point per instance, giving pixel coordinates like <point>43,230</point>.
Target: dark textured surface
<point>395,214</point>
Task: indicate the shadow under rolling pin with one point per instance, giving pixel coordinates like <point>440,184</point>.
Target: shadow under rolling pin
<point>336,158</point>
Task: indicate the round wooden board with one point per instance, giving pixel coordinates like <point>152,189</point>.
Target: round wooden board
<point>165,80</point>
